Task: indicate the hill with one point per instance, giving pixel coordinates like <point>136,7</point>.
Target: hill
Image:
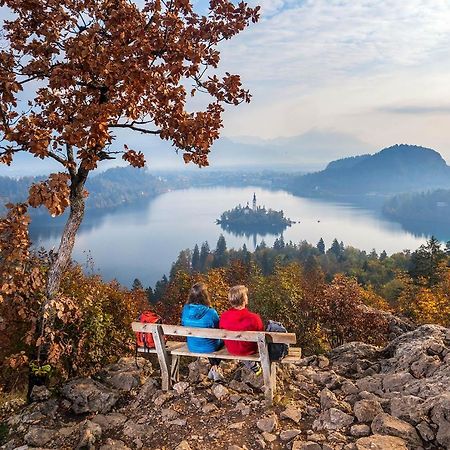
<point>395,169</point>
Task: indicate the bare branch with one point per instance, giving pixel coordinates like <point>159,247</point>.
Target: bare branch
<point>132,127</point>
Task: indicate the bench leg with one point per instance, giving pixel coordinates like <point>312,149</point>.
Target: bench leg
<point>265,364</point>
<point>175,369</point>
<point>273,375</point>
<point>163,357</point>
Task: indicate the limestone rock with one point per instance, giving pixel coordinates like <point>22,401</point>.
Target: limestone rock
<point>90,434</point>
<point>220,391</point>
<point>366,410</point>
<point>269,437</point>
<point>87,395</point>
<point>40,394</point>
<point>181,387</point>
<point>287,435</point>
<point>209,408</point>
<point>183,445</point>
<point>387,425</point>
<point>306,445</point>
<point>425,431</point>
<point>378,442</point>
<point>332,419</point>
<point>360,430</point>
<point>267,424</point>
<point>407,407</point>
<point>38,436</point>
<point>291,413</point>
<point>109,421</point>
<point>112,444</point>
<point>127,374</point>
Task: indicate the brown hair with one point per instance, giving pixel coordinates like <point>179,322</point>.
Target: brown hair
<point>199,295</point>
<point>237,295</point>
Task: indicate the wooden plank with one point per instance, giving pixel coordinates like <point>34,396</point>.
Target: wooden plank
<point>163,356</point>
<point>175,369</point>
<point>273,376</point>
<point>214,333</point>
<point>222,354</point>
<point>266,366</point>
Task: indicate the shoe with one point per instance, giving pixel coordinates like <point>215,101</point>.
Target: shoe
<point>215,374</point>
<point>257,369</point>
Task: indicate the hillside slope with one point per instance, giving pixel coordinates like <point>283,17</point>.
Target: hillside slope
<point>359,398</point>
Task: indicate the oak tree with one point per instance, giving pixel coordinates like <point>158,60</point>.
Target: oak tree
<point>74,72</point>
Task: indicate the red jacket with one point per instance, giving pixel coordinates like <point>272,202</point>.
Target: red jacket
<point>241,320</point>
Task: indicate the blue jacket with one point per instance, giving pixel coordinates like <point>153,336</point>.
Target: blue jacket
<point>200,316</point>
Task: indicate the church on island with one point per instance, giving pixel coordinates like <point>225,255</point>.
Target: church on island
<point>255,219</point>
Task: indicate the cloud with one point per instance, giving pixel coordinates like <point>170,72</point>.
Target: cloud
<point>417,109</point>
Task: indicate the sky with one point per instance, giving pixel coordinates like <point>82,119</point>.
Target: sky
<point>378,70</point>
<point>370,72</point>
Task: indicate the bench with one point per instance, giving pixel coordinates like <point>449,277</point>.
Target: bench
<point>169,352</point>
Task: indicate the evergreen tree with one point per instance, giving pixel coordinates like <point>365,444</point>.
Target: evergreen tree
<point>220,253</point>
<point>373,254</point>
<point>160,289</point>
<point>204,255</point>
<point>383,255</point>
<point>149,293</point>
<point>196,259</point>
<point>183,264</point>
<point>336,249</point>
<point>137,285</point>
<point>321,246</point>
<point>279,243</point>
<point>426,260</point>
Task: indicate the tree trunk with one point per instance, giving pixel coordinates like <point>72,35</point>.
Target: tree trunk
<point>67,242</point>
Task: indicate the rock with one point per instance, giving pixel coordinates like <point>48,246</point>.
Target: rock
<point>169,414</point>
<point>243,408</point>
<point>162,398</point>
<point>328,400</point>
<point>237,425</point>
<point>366,410</point>
<point>332,419</point>
<point>209,408</point>
<point>183,445</point>
<point>378,442</point>
<point>109,421</point>
<point>197,370</point>
<point>322,362</point>
<point>90,434</point>
<point>146,391</point>
<point>287,435</point>
<point>181,387</point>
<point>291,413</point>
<point>38,436</point>
<point>220,391</point>
<point>370,384</point>
<point>306,445</point>
<point>349,388</point>
<point>439,410</point>
<point>178,422</point>
<point>269,437</point>
<point>396,382</point>
<point>127,374</point>
<point>425,431</point>
<point>112,444</point>
<point>443,434</point>
<point>360,430</point>
<point>87,396</point>
<point>40,394</point>
<point>267,424</point>
<point>345,355</point>
<point>132,429</point>
<point>387,425</point>
<point>407,407</point>
<point>239,386</point>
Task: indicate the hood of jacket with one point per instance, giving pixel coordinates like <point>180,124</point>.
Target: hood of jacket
<point>194,311</point>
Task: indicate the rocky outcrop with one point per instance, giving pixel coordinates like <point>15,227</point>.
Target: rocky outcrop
<point>358,397</point>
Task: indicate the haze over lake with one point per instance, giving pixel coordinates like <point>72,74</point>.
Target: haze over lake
<point>142,241</point>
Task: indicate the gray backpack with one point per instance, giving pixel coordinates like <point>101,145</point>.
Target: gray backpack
<point>277,351</point>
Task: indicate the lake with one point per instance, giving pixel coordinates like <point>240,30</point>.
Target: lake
<point>141,241</point>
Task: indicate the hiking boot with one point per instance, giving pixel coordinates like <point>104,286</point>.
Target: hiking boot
<point>215,374</point>
<point>257,369</point>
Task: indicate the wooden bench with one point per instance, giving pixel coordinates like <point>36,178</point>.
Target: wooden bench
<point>169,352</point>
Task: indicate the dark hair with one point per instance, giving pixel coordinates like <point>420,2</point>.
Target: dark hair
<point>199,295</point>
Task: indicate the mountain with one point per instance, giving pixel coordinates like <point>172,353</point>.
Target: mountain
<point>400,168</point>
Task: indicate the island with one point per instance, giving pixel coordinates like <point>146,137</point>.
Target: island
<point>247,221</point>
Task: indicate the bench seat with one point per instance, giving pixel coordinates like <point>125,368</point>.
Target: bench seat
<point>180,349</point>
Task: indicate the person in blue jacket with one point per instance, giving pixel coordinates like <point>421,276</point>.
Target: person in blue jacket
<point>198,313</point>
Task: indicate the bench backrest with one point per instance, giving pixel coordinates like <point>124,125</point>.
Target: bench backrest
<point>215,333</point>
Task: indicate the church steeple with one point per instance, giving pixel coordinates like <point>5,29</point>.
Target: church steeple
<point>254,201</point>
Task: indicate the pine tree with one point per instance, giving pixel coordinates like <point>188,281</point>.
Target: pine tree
<point>321,246</point>
<point>137,285</point>
<point>335,249</point>
<point>383,255</point>
<point>220,253</point>
<point>160,289</point>
<point>204,256</point>
<point>196,259</point>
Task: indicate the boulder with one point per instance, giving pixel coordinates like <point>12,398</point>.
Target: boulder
<point>220,391</point>
<point>267,424</point>
<point>40,394</point>
<point>407,407</point>
<point>89,396</point>
<point>127,374</point>
<point>109,421</point>
<point>378,442</point>
<point>181,387</point>
<point>387,425</point>
<point>360,430</point>
<point>332,419</point>
<point>366,410</point>
<point>39,437</point>
<point>291,413</point>
<point>89,435</point>
<point>344,356</point>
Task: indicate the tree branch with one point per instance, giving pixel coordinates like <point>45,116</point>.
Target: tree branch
<point>132,127</point>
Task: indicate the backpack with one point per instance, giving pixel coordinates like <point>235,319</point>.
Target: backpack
<point>146,339</point>
<point>277,351</point>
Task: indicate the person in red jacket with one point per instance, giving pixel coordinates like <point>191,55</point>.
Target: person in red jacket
<point>239,318</point>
